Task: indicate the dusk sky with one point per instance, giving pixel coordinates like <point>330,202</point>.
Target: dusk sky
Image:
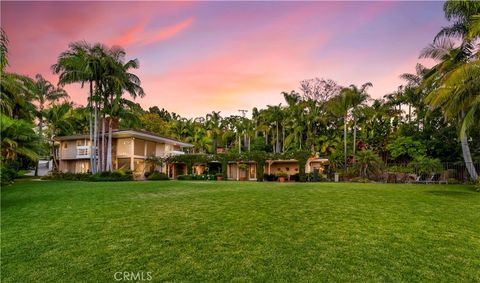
<point>196,57</point>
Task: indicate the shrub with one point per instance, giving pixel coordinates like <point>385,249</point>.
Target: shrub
<point>295,177</point>
<point>7,174</point>
<point>67,176</point>
<point>425,165</point>
<point>282,174</point>
<point>270,177</point>
<point>367,163</point>
<point>204,177</point>
<point>184,177</point>
<point>118,175</point>
<point>477,184</point>
<point>158,176</point>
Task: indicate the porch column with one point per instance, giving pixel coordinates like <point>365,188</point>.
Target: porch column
<point>132,166</point>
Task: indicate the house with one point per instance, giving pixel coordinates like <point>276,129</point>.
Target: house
<point>130,149</point>
<point>244,171</point>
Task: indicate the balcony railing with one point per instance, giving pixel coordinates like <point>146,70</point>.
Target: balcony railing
<point>83,151</point>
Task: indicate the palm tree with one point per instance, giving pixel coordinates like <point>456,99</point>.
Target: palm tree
<point>358,98</point>
<point>80,64</point>
<point>17,138</point>
<point>340,105</point>
<point>368,161</point>
<point>453,82</point>
<point>57,118</point>
<point>116,80</point>
<point>464,17</point>
<point>213,124</point>
<point>45,92</point>
<point>16,94</point>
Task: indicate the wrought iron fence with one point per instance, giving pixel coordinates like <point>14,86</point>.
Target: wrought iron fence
<point>448,172</point>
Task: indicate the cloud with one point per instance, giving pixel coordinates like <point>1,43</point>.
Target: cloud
<point>137,35</point>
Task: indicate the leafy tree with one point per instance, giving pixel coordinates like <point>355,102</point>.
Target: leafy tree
<point>405,149</point>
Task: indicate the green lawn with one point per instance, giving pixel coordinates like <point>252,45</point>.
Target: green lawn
<point>233,231</point>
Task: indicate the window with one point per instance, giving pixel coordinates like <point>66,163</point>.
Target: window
<point>139,148</point>
<point>124,163</point>
<point>81,142</point>
<point>65,145</point>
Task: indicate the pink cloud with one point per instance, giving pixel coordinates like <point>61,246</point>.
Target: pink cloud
<point>137,35</point>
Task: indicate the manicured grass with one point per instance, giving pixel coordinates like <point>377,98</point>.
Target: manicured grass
<point>233,231</point>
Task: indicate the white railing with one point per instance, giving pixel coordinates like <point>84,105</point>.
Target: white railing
<point>173,153</point>
<point>83,151</point>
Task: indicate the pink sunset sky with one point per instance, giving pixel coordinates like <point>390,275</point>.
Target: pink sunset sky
<point>196,57</point>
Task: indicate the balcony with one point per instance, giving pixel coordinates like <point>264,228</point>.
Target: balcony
<point>173,153</point>
<point>83,151</point>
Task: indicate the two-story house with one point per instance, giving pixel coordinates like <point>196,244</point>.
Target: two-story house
<point>130,149</point>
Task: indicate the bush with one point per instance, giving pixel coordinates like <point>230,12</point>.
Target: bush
<point>158,176</point>
<point>270,177</point>
<point>118,175</point>
<point>425,165</point>
<point>295,177</point>
<point>204,177</point>
<point>68,176</point>
<point>315,177</point>
<point>184,177</point>
<point>282,175</point>
<point>7,174</point>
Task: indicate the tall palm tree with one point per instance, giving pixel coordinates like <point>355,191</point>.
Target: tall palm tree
<point>116,80</point>
<point>453,82</point>
<point>340,105</point>
<point>213,124</point>
<point>80,64</point>
<point>45,92</point>
<point>463,16</point>
<point>57,119</point>
<point>359,96</point>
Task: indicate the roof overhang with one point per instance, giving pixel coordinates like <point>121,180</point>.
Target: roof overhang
<point>149,137</point>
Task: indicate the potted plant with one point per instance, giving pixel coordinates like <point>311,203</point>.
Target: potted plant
<point>243,167</point>
<point>219,176</point>
<point>282,177</point>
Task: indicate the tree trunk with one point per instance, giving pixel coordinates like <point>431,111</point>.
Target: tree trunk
<point>468,158</point>
<point>345,140</point>
<point>239,144</point>
<point>54,156</point>
<point>409,113</point>
<point>91,129</point>
<point>214,143</point>
<point>277,141</point>
<point>95,139</point>
<point>103,156</point>
<point>283,138</point>
<point>109,147</point>
<point>354,136</point>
